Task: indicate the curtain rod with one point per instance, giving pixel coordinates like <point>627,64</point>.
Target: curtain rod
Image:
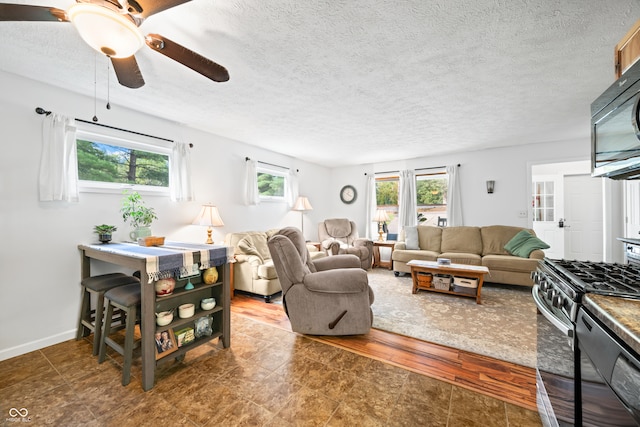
<point>246,159</point>
<point>419,169</point>
<point>46,113</point>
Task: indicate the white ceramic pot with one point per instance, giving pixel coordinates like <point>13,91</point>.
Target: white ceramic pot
<point>164,318</point>
<point>140,232</point>
<point>165,287</point>
<point>186,310</point>
<point>208,303</point>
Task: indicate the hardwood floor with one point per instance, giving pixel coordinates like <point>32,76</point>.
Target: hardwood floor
<point>506,381</point>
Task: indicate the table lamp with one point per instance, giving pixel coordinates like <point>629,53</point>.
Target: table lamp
<point>210,217</point>
<point>302,204</point>
<point>381,218</point>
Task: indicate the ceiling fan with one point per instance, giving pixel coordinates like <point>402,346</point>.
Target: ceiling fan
<point>111,27</point>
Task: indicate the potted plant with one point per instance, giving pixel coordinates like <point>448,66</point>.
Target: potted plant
<point>104,232</point>
<point>137,214</point>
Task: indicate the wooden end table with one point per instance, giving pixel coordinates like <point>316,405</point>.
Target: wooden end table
<point>460,270</point>
<point>377,262</point>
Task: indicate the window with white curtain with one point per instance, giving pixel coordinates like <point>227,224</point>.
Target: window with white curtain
<point>272,183</point>
<point>431,198</point>
<point>109,159</point>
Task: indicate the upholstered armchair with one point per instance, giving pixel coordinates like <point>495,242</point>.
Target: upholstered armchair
<point>327,296</point>
<point>340,236</point>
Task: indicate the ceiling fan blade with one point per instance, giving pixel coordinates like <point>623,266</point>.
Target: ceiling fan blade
<point>127,71</point>
<point>147,8</point>
<point>25,12</point>
<point>188,58</point>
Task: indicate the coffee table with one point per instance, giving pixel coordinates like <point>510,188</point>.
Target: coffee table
<point>459,270</point>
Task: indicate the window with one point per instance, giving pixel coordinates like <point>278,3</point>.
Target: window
<point>431,199</point>
<point>272,183</point>
<point>109,162</point>
<point>387,199</point>
<point>543,201</point>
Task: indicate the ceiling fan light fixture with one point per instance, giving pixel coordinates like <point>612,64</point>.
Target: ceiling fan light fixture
<point>107,31</point>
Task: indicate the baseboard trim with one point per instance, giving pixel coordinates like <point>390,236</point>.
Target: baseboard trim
<point>36,345</point>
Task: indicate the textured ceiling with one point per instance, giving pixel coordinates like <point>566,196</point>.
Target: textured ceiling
<point>342,82</point>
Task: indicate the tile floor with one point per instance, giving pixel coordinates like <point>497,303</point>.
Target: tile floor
<point>269,377</point>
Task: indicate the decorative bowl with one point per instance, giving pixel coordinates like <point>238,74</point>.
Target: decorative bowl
<point>186,310</point>
<point>164,318</point>
<point>208,303</point>
<point>165,287</point>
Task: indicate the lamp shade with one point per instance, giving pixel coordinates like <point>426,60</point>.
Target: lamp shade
<point>381,216</point>
<point>302,204</point>
<point>106,30</point>
<point>208,216</point>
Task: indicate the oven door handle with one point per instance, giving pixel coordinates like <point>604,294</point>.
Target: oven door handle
<point>566,330</point>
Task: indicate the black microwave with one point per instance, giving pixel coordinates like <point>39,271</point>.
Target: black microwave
<point>615,128</point>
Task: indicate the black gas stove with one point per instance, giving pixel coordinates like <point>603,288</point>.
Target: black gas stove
<point>575,395</point>
<point>599,277</point>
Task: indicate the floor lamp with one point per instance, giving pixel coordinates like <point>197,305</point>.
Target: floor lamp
<point>302,204</point>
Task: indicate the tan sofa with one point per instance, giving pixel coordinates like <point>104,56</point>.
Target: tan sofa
<point>470,245</point>
<point>253,271</point>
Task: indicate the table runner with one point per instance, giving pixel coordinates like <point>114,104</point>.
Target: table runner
<point>173,259</point>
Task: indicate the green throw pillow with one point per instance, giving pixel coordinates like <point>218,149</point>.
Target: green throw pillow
<point>523,243</point>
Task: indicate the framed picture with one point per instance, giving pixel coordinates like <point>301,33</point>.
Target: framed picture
<point>165,343</point>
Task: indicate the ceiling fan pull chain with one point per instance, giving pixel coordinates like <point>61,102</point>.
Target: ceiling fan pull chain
<point>95,86</point>
<point>108,86</point>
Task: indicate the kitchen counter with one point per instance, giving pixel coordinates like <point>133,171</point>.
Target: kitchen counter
<point>621,315</point>
<point>629,240</point>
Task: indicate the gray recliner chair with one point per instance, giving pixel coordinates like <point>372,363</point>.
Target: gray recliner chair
<point>327,296</point>
<point>340,236</point>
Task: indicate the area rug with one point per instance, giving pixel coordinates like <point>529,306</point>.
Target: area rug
<point>503,327</point>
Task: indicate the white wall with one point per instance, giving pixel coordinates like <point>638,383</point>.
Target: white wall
<point>509,167</point>
<point>39,261</point>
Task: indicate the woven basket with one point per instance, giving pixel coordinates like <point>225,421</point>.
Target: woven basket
<point>424,280</point>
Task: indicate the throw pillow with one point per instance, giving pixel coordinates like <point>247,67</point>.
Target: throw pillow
<point>248,248</point>
<point>523,243</point>
<point>411,238</point>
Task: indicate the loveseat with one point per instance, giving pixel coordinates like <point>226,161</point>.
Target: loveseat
<point>253,271</point>
<point>474,246</point>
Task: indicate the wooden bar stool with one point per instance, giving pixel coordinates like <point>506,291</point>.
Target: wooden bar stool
<point>90,320</point>
<point>127,299</point>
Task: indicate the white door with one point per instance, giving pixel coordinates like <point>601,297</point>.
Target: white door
<point>548,208</point>
<point>583,220</point>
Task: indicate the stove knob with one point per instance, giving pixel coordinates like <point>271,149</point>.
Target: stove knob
<point>535,276</point>
<point>551,293</point>
<point>557,301</point>
<point>543,284</point>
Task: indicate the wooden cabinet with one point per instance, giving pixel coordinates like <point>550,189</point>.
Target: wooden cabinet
<point>194,296</point>
<point>627,51</point>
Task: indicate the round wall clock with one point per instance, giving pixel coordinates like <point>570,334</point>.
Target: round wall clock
<point>348,194</point>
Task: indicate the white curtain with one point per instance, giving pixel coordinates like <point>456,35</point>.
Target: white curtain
<point>454,201</point>
<point>407,215</point>
<point>181,188</point>
<point>291,192</point>
<point>251,183</point>
<point>58,177</point>
<point>371,204</point>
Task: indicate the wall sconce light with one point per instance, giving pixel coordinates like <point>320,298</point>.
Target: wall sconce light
<point>209,217</point>
<point>490,186</point>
